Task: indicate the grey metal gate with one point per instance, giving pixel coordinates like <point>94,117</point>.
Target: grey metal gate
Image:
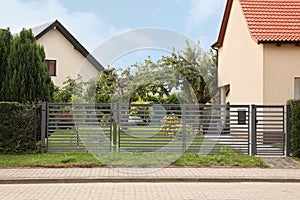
<point>76,127</point>
<point>268,130</point>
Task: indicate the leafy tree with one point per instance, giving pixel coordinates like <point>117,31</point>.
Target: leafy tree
<point>102,90</point>
<point>27,78</point>
<point>191,73</point>
<point>5,43</point>
<point>97,90</point>
<point>198,68</point>
<point>147,80</point>
<point>71,87</point>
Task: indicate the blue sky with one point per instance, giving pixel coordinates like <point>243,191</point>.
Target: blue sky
<point>94,21</point>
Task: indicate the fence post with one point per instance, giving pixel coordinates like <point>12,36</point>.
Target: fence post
<point>183,128</point>
<point>253,130</point>
<point>43,126</point>
<point>288,130</point>
<point>111,127</point>
<point>34,110</point>
<point>115,117</point>
<point>119,127</point>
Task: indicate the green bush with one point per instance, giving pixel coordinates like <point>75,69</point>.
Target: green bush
<point>171,124</point>
<point>18,128</point>
<point>144,112</point>
<point>295,127</point>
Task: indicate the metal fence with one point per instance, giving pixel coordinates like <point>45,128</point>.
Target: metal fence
<point>206,129</point>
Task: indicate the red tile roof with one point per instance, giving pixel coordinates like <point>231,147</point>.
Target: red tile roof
<point>268,20</point>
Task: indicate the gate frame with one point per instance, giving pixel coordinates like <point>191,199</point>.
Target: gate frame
<point>285,128</point>
<point>43,127</point>
<point>253,130</point>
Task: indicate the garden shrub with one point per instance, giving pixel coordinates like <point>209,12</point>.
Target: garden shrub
<point>171,124</point>
<point>143,112</point>
<point>295,127</point>
<point>18,127</point>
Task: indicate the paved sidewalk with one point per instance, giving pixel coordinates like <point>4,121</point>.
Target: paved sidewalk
<point>281,162</point>
<point>92,175</point>
<point>151,191</point>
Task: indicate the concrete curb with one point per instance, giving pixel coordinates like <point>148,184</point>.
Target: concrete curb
<point>144,179</point>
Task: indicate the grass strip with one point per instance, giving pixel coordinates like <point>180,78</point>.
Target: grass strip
<point>226,158</point>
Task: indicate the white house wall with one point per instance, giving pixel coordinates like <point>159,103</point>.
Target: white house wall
<point>69,60</point>
<point>281,66</point>
<point>240,61</point>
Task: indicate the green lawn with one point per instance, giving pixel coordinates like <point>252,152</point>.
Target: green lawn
<point>132,152</point>
<point>49,160</point>
<point>135,159</point>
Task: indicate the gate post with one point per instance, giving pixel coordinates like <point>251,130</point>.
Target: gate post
<point>183,128</point>
<point>253,130</point>
<point>288,130</point>
<point>43,126</point>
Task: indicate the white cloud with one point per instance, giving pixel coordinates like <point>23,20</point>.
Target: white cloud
<point>201,20</point>
<point>137,40</point>
<point>201,11</point>
<point>87,27</point>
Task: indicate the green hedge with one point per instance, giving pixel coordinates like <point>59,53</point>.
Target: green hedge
<point>18,128</point>
<point>295,127</point>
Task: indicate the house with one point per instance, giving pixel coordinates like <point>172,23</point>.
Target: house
<point>65,56</point>
<point>259,51</point>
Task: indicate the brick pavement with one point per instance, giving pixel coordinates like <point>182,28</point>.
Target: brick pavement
<point>67,175</point>
<point>157,191</point>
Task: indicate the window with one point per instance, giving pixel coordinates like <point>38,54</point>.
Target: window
<point>297,88</point>
<point>51,65</point>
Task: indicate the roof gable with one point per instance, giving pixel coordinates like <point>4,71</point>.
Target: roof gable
<point>41,30</point>
<point>269,21</point>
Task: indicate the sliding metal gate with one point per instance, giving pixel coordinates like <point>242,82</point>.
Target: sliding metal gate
<point>255,130</point>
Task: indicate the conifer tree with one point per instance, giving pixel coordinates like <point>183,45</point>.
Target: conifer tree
<point>5,42</point>
<point>27,79</point>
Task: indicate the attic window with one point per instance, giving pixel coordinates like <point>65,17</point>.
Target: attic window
<point>51,66</point>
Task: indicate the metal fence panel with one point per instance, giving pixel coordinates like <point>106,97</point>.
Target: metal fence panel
<point>150,128</point>
<point>183,128</point>
<point>213,127</point>
<point>78,127</point>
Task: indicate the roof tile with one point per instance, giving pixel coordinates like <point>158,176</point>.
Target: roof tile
<point>273,20</point>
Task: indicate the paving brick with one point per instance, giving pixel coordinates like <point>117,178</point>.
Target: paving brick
<point>90,174</point>
<point>157,191</point>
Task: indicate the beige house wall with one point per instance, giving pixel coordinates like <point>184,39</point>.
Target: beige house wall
<point>69,61</point>
<point>241,61</point>
<point>281,66</point>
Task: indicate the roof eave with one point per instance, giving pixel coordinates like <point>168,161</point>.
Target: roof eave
<point>278,42</point>
<point>225,19</point>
